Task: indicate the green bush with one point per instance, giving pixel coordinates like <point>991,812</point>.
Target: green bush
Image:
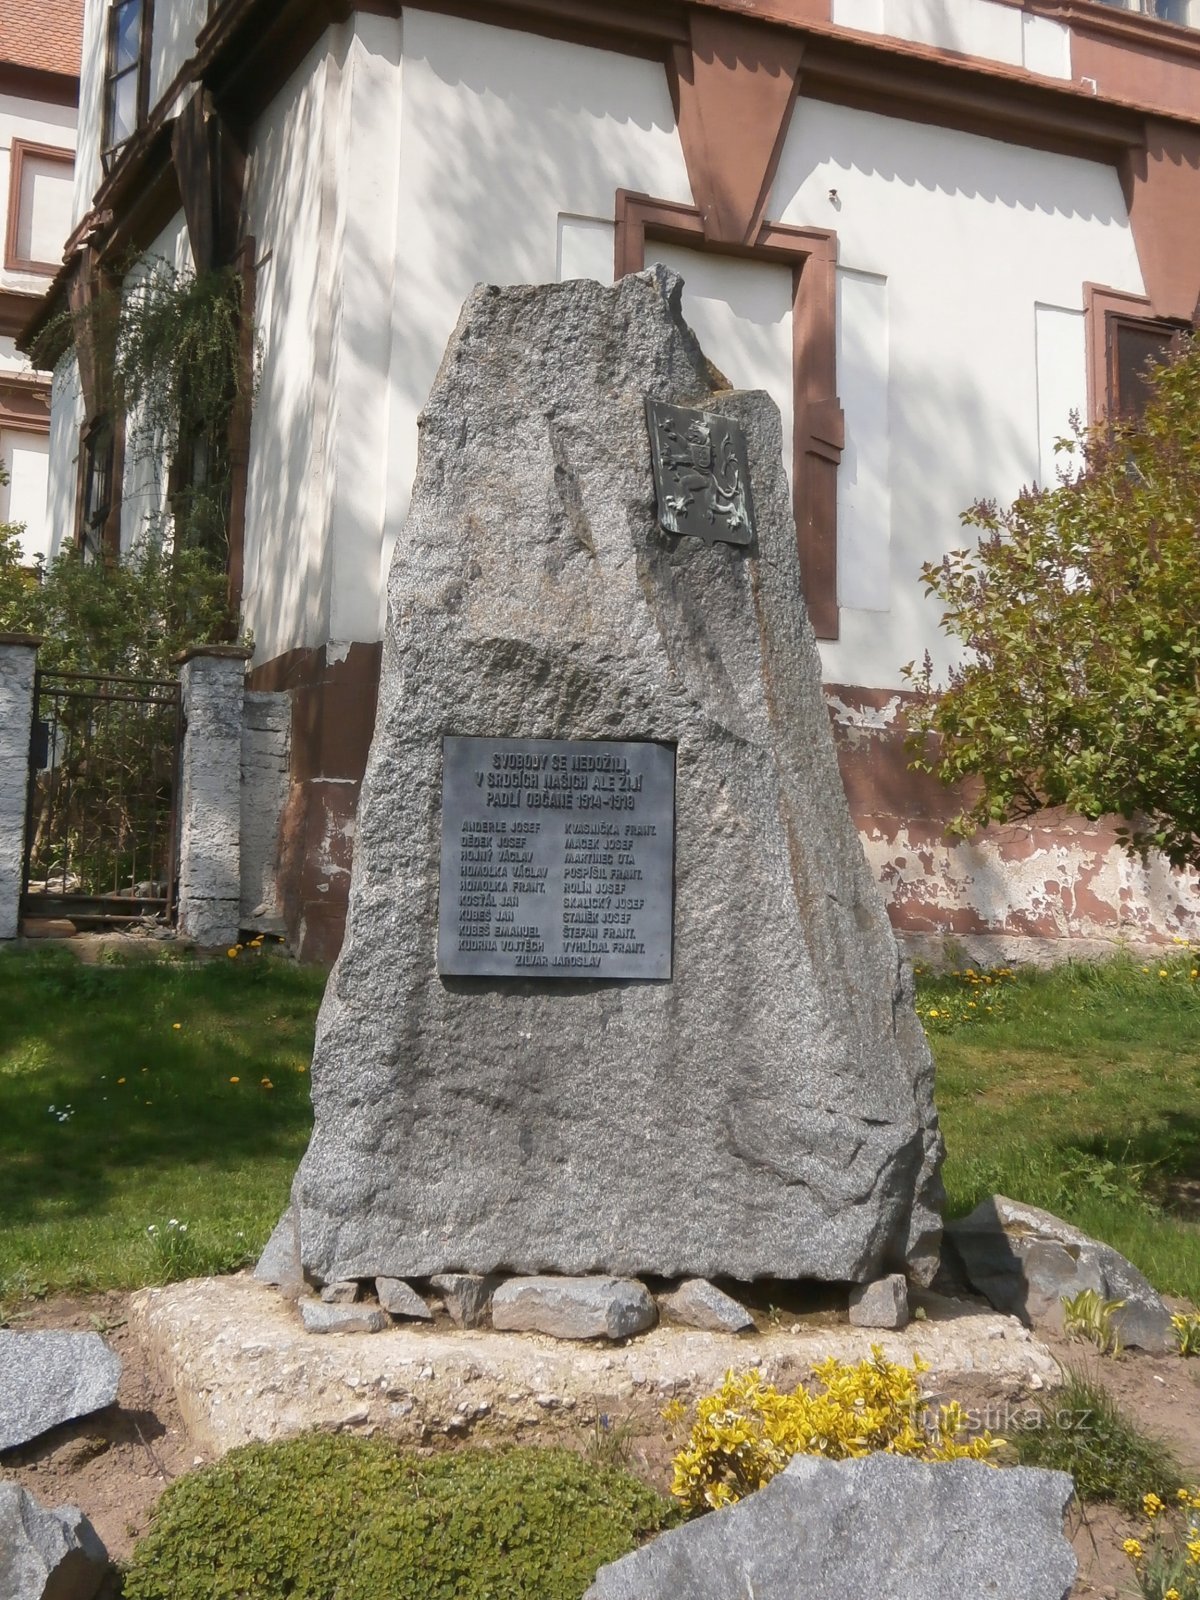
<point>328,1517</point>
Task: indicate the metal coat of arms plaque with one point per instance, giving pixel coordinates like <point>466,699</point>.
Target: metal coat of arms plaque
<point>701,474</point>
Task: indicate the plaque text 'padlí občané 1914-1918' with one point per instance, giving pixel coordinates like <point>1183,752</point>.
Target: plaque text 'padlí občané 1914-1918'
<point>557,858</point>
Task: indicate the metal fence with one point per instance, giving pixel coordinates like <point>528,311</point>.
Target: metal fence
<point>101,833</point>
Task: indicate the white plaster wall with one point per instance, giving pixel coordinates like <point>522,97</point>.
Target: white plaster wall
<point>91,95</point>
<point>66,419</point>
<point>26,458</point>
<point>144,487</point>
<point>984,28</point>
<point>289,192</point>
<point>970,235</point>
<point>37,122</point>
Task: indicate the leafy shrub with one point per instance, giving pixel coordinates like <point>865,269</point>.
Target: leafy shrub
<point>748,1431</point>
<point>1089,1316</point>
<point>326,1517</point>
<point>1084,1432</point>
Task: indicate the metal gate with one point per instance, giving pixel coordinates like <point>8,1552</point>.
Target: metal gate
<point>101,835</point>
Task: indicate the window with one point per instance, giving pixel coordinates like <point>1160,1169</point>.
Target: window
<point>127,76</point>
<point>1134,346</point>
<point>39,207</point>
<point>1184,12</point>
<point>96,485</point>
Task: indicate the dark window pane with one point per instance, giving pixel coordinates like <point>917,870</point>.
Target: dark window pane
<point>127,35</point>
<point>1137,346</point>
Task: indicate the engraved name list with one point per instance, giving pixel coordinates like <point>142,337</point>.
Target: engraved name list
<point>557,858</point>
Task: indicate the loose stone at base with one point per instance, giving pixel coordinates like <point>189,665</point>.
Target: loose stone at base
<point>574,1308</point>
<point>401,1299</point>
<point>318,1317</point>
<point>47,1555</point>
<point>696,1303</point>
<point>342,1293</point>
<point>52,1377</point>
<point>467,1295</point>
<point>881,1304</point>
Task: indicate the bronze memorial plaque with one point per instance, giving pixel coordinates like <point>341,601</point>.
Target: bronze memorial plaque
<point>558,858</point>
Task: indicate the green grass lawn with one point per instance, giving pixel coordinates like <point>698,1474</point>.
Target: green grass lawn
<point>1078,1090</point>
<point>187,1089</point>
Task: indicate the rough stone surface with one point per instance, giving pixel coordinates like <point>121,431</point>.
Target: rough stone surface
<point>18,663</point>
<point>47,1555</point>
<point>400,1299</point>
<point>696,1303</point>
<point>318,1316</point>
<point>52,1377</point>
<point>879,1525</point>
<point>574,1308</point>
<point>882,1304</point>
<point>266,774</point>
<point>1025,1261</point>
<point>243,1368</point>
<point>343,1293</point>
<point>467,1296</point>
<point>210,798</point>
<point>280,1261</point>
<point>769,1110</point>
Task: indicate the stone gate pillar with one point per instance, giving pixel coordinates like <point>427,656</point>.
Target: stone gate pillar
<point>211,682</point>
<point>18,664</point>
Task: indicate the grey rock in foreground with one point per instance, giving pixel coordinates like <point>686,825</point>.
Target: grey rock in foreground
<point>573,1308</point>
<point>320,1317</point>
<point>878,1526</point>
<point>769,1110</point>
<point>47,1555</point>
<point>882,1304</point>
<point>467,1296</point>
<point>400,1299</point>
<point>52,1377</point>
<point>1026,1261</point>
<point>696,1303</point>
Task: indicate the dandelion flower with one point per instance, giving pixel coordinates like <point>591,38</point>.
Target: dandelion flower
<point>232,951</point>
<point>120,1080</point>
<point>1133,1549</point>
<point>235,1080</point>
<point>1152,1505</point>
<point>177,1026</point>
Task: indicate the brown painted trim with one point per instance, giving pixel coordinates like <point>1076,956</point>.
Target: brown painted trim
<point>34,83</point>
<point>818,428</point>
<point>22,149</point>
<point>1161,183</point>
<point>1098,303</point>
<point>221,652</point>
<point>16,308</point>
<point>25,405</point>
<point>734,89</point>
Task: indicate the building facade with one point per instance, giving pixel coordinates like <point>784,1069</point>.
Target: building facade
<point>932,229</point>
<point>39,93</point>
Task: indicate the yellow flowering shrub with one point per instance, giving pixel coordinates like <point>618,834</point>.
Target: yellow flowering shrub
<point>748,1430</point>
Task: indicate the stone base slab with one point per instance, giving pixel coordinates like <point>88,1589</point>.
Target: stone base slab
<point>244,1369</point>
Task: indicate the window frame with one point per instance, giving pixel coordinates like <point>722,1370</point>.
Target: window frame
<point>1105,310</point>
<point>110,152</point>
<point>21,150</point>
<point>94,532</point>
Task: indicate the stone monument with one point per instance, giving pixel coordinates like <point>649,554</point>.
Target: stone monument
<point>618,993</point>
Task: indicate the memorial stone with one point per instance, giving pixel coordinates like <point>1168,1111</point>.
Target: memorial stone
<point>732,1082</point>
